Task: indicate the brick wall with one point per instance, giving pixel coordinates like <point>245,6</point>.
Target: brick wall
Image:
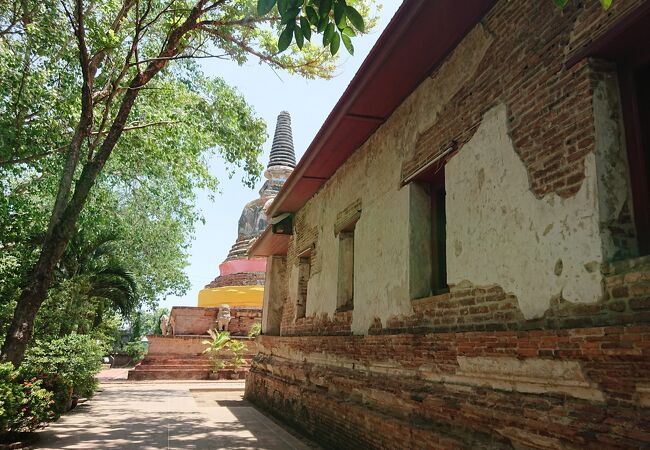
<point>238,279</point>
<point>549,105</point>
<point>466,369</point>
<point>198,320</point>
<point>626,299</point>
<point>192,320</point>
<point>587,388</point>
<point>243,320</point>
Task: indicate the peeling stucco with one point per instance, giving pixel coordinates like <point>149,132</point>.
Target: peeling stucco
<point>373,173</point>
<point>513,239</point>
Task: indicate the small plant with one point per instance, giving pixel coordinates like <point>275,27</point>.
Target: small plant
<point>256,329</point>
<point>217,342</point>
<point>238,348</point>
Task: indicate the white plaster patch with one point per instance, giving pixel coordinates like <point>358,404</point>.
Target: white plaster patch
<point>511,238</point>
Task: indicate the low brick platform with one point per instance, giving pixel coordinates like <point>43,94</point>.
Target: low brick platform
<point>182,358</point>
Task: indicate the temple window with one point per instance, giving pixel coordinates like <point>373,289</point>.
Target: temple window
<point>635,91</point>
<point>345,290</point>
<point>427,234</point>
<point>304,272</point>
<point>625,45</point>
<point>438,233</point>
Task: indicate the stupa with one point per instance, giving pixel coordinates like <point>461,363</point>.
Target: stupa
<point>241,279</point>
<point>236,294</point>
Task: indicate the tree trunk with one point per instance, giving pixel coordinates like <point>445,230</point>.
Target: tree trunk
<point>64,221</point>
<point>22,325</point>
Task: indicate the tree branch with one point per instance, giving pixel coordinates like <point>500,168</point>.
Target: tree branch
<point>135,126</point>
<point>82,129</point>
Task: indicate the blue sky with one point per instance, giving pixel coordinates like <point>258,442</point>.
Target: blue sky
<point>308,101</point>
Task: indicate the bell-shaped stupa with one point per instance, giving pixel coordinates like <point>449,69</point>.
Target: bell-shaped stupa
<point>241,279</point>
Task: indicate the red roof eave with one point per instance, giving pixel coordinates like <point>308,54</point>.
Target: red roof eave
<point>269,244</point>
<point>414,43</point>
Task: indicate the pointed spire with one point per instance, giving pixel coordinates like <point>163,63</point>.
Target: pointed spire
<point>282,150</point>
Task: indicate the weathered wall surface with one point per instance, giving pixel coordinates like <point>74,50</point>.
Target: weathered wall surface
<point>582,388</point>
<point>500,233</point>
<point>534,216</point>
<point>372,178</point>
<point>543,339</point>
<point>190,320</point>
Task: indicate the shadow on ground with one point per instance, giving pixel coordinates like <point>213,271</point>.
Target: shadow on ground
<point>162,416</point>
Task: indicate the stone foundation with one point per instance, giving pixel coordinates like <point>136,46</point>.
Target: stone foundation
<point>571,388</point>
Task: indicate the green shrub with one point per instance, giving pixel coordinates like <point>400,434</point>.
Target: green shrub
<point>54,383</point>
<point>136,350</point>
<point>75,359</point>
<point>24,404</point>
<point>238,348</point>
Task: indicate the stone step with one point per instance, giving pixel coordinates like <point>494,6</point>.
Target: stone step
<point>186,363</point>
<point>184,366</point>
<point>164,374</point>
<point>149,362</point>
<point>186,374</point>
<point>174,367</point>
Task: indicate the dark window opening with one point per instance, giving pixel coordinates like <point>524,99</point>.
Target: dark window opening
<point>635,91</point>
<point>345,289</point>
<point>438,233</point>
<point>428,233</point>
<point>304,272</point>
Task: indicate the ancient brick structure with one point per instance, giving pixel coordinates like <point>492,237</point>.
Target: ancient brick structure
<point>468,264</point>
<point>179,354</point>
<point>238,270</point>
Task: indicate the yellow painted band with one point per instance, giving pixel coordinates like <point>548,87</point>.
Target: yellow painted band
<point>232,295</point>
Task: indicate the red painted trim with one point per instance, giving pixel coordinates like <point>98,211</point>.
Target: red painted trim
<point>269,244</point>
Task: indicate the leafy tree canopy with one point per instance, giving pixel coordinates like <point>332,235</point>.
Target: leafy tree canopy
<point>106,125</point>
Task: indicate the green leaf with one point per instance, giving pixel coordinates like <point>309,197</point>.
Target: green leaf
<point>283,6</point>
<point>325,7</point>
<point>312,15</point>
<point>335,44</point>
<point>322,23</point>
<point>606,4</point>
<point>285,38</point>
<point>264,6</point>
<point>306,28</point>
<point>348,32</point>
<point>560,3</point>
<point>328,35</point>
<point>355,18</point>
<point>290,15</point>
<point>348,43</point>
<point>339,12</point>
<point>300,40</point>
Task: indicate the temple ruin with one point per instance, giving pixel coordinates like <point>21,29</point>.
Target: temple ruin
<point>232,301</point>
